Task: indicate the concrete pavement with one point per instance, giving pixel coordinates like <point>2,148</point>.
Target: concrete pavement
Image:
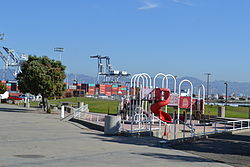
<point>39,140</point>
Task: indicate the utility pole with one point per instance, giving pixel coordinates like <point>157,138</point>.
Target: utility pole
<point>226,94</point>
<point>5,70</point>
<point>208,75</point>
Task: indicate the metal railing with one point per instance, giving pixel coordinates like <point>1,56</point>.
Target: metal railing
<point>93,117</point>
<point>79,111</point>
<point>210,128</point>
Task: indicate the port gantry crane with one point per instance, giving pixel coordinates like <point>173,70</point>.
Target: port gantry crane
<point>107,71</point>
<point>12,61</point>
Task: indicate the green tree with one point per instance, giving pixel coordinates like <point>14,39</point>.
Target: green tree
<point>3,88</point>
<point>41,75</point>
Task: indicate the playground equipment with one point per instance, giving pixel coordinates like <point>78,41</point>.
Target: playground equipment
<point>146,101</point>
<point>162,98</point>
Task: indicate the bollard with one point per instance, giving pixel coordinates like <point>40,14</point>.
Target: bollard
<point>27,105</point>
<point>62,112</point>
<point>221,111</point>
<point>112,124</point>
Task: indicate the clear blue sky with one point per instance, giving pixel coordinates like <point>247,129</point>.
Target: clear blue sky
<point>182,37</point>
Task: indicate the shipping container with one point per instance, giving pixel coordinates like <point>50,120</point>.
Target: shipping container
<point>72,86</point>
<point>85,87</point>
<point>114,90</point>
<point>3,81</point>
<point>102,89</point>
<point>13,87</point>
<point>108,90</point>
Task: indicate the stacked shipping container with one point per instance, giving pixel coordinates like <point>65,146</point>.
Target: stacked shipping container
<point>91,89</point>
<point>114,90</point>
<point>108,90</point>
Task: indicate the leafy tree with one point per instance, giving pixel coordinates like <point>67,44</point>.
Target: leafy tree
<point>41,75</point>
<point>3,88</point>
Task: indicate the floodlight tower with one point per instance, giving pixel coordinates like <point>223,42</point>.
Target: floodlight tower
<point>2,38</point>
<point>60,51</point>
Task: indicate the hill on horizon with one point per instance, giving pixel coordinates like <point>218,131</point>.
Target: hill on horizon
<point>215,87</point>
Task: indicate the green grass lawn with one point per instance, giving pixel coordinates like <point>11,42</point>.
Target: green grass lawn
<point>231,112</point>
<point>95,105</point>
<point>110,106</point>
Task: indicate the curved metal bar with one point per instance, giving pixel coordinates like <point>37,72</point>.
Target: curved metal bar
<point>145,76</point>
<point>170,75</point>
<point>131,80</point>
<point>191,106</point>
<point>159,74</point>
<point>203,96</point>
<point>150,79</point>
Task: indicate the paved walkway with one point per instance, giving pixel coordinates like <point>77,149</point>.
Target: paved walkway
<point>41,140</point>
<point>233,149</point>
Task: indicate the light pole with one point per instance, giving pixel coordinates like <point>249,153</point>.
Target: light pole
<point>5,70</point>
<point>208,75</point>
<point>60,50</point>
<point>226,94</point>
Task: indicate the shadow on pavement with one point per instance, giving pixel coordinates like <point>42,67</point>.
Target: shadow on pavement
<point>175,157</point>
<point>231,149</point>
<point>227,144</point>
<point>13,110</point>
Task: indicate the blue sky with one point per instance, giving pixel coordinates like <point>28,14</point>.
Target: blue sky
<point>182,37</point>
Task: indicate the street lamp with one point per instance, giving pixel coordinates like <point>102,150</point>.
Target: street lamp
<point>208,75</point>
<point>226,93</point>
<point>60,50</point>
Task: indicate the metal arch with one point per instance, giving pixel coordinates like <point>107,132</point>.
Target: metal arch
<point>159,74</point>
<point>150,79</point>
<point>191,106</point>
<point>203,96</point>
<point>143,74</point>
<point>131,80</point>
<point>140,76</point>
<point>172,76</point>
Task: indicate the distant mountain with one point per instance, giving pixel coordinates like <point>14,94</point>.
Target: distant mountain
<point>215,87</point>
<point>218,87</point>
<point>81,78</point>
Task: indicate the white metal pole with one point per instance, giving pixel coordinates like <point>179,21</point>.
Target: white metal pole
<point>191,97</point>
<point>170,75</point>
<point>62,112</point>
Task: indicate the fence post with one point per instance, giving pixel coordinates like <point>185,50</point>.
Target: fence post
<point>233,125</point>
<point>175,129</point>
<point>215,128</point>
<point>184,130</point>
<point>221,111</point>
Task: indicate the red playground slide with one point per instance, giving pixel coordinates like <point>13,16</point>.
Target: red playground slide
<point>162,98</point>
